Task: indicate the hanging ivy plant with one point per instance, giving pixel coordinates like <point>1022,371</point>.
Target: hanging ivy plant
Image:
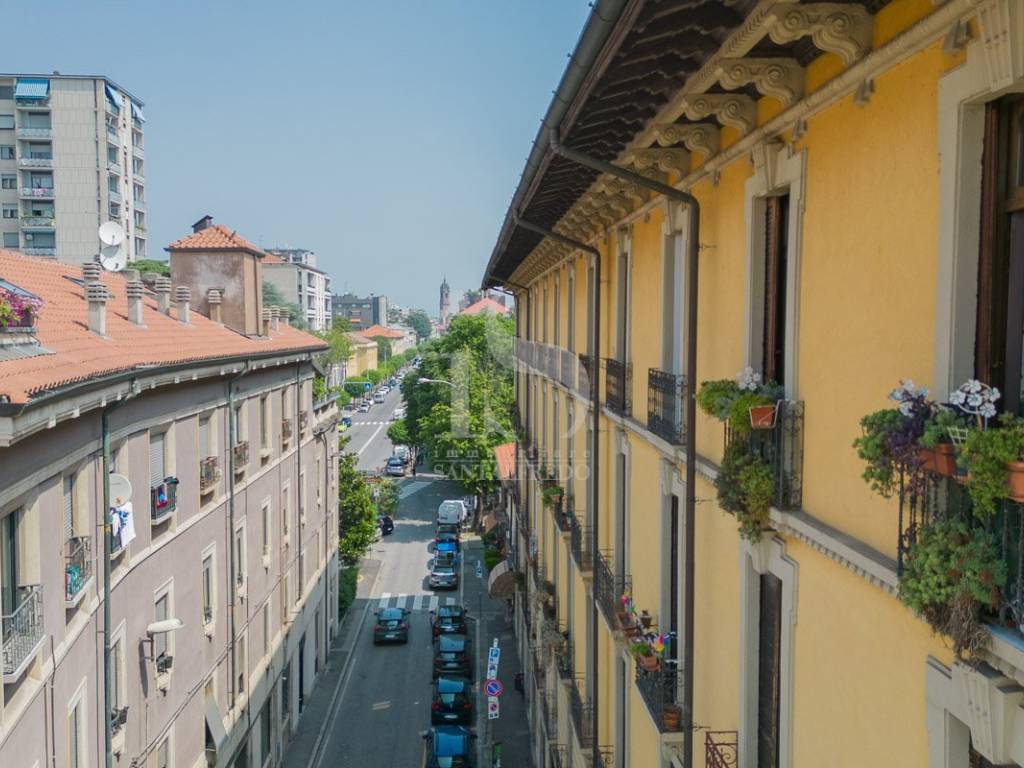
<point>746,489</point>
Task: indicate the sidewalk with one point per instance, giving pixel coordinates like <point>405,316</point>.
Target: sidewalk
<point>301,749</point>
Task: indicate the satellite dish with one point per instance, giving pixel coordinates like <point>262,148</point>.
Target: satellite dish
<point>112,258</point>
<point>111,233</point>
<point>120,490</point>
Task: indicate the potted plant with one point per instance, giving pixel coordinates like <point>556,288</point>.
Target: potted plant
<point>745,402</point>
<point>889,444</point>
<point>938,453</point>
<point>952,573</point>
<point>746,489</point>
<point>552,495</point>
<point>644,656</point>
<point>18,310</point>
<point>645,619</point>
<point>671,717</point>
<point>995,462</point>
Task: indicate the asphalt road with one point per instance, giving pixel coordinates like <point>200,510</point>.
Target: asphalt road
<point>368,433</point>
<point>384,700</point>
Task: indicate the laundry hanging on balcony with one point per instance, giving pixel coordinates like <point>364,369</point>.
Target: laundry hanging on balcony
<point>122,524</point>
<point>163,493</point>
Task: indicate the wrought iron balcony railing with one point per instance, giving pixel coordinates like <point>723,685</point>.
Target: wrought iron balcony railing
<point>77,566</point>
<point>303,421</point>
<point>286,430</point>
<point>782,448</point>
<point>582,713</point>
<point>163,499</point>
<point>617,386</point>
<point>22,628</point>
<point>567,368</point>
<point>609,588</point>
<point>118,718</point>
<point>209,473</point>
<point>564,660</point>
<point>666,405</point>
<point>558,511</point>
<point>585,374</point>
<point>658,690</point>
<point>241,456</point>
<point>551,714</point>
<point>721,749</point>
<point>559,756</point>
<point>580,544</point>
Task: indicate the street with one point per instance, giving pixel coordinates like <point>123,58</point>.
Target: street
<point>368,433</point>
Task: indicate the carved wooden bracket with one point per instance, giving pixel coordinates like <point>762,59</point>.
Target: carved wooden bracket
<point>733,109</point>
<point>780,78</point>
<point>697,137</point>
<point>666,160</point>
<point>842,29</point>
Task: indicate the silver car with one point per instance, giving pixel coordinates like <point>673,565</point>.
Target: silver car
<point>444,576</point>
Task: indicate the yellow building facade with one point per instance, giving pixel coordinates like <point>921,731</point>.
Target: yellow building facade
<point>855,167</point>
<point>363,357</point>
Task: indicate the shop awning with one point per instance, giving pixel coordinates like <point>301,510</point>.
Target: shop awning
<point>32,88</point>
<point>502,581</point>
<point>137,113</point>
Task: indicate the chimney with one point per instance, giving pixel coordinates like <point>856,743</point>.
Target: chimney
<point>284,317</point>
<point>213,302</point>
<point>91,272</point>
<point>182,297</point>
<point>134,289</point>
<point>266,322</point>
<point>275,318</point>
<point>203,223</point>
<point>96,296</point>
<point>162,288</point>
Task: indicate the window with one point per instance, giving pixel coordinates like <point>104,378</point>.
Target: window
<point>266,628</point>
<point>69,507</point>
<point>7,122</point>
<point>265,527</point>
<point>75,733</point>
<point>768,668</point>
<point>37,120</point>
<point>208,589</point>
<point>773,354</point>
<point>237,430</point>
<point>112,155</point>
<point>6,152</point>
<point>264,423</point>
<point>10,210</point>
<point>302,496</point>
<point>239,545</point>
<point>162,612</point>
<point>10,239</point>
<point>157,468</point>
<point>242,661</point>
<point>265,736</point>
<point>205,447</point>
<point>8,181</point>
<point>9,565</point>
<point>117,674</point>
<point>113,183</point>
<point>286,503</point>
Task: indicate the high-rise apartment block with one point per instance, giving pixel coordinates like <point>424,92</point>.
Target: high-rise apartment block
<point>71,158</point>
<point>294,272</point>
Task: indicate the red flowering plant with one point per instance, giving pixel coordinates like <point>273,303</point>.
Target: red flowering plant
<point>18,310</point>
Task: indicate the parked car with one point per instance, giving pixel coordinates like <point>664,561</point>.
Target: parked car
<point>395,467</point>
<point>443,576</point>
<point>447,537</point>
<point>391,626</point>
<point>446,553</point>
<point>398,414</point>
<point>379,397</point>
<point>346,421</point>
<point>386,524</point>
<point>364,407</point>
<point>451,511</point>
<point>449,746</point>
<point>403,452</point>
<point>448,620</point>
<point>453,656</point>
<point>451,702</point>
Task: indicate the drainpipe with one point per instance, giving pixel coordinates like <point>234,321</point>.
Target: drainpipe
<point>595,485</point>
<point>693,252</point>
<point>232,565</point>
<point>108,729</point>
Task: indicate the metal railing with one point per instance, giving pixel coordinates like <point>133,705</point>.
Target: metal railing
<point>286,430</point>
<point>564,661</point>
<point>38,221</point>
<point>559,756</point>
<point>580,544</point>
<point>44,192</point>
<point>560,515</point>
<point>40,251</point>
<point>666,405</point>
<point>781,447</point>
<point>550,702</point>
<point>721,749</point>
<point>25,132</point>
<point>608,588</point>
<point>77,566</point>
<point>585,374</point>
<point>241,455</point>
<point>567,369</point>
<point>163,505</point>
<point>35,162</point>
<point>582,713</point>
<point>209,473</point>
<point>617,386</point>
<point>22,628</point>
<point>658,690</point>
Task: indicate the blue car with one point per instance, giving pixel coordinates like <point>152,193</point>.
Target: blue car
<point>449,746</point>
<point>346,421</point>
<point>447,552</point>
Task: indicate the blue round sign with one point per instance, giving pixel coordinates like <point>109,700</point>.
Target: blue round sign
<point>366,387</point>
<point>493,688</point>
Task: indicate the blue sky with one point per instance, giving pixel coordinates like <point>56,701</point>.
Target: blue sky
<point>387,136</point>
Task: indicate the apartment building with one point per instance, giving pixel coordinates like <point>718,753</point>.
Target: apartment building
<point>221,539</point>
<point>71,157</point>
<point>361,312</point>
<point>293,271</point>
<point>816,195</point>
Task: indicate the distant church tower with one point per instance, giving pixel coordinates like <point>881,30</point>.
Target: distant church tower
<point>445,301</point>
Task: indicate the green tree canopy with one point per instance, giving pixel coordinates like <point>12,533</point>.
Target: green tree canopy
<point>421,324</point>
<point>151,265</point>
<point>357,513</point>
<point>272,296</point>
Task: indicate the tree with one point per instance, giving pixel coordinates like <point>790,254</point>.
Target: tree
<point>421,324</point>
<point>272,296</point>
<point>357,513</point>
<point>387,497</point>
<point>151,265</point>
<point>383,349</point>
<point>398,433</point>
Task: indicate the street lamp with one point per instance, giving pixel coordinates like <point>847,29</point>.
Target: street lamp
<point>436,381</point>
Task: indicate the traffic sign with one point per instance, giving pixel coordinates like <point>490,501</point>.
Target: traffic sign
<point>479,570</point>
<point>493,655</point>
<point>493,687</point>
<point>366,387</point>
<point>492,708</point>
<point>492,671</point>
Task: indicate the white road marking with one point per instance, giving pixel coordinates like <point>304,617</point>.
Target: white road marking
<point>433,602</point>
<point>384,600</point>
<point>367,443</point>
<point>381,705</point>
<point>400,601</point>
<point>417,602</point>
<point>449,601</point>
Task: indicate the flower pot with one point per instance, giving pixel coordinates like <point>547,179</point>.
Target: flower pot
<point>646,619</point>
<point>945,459</point>
<point>763,416</point>
<point>1015,480</point>
<point>648,663</point>
<point>555,498</point>
<point>671,717</point>
<point>928,460</point>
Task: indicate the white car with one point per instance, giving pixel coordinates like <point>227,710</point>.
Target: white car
<point>379,397</point>
<point>452,512</point>
<point>398,414</point>
<point>364,407</point>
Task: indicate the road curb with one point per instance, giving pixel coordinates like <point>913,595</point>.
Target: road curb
<point>343,672</point>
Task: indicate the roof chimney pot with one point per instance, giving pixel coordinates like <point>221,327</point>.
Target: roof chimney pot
<point>213,301</point>
<point>96,296</point>
<point>266,322</point>
<point>275,318</point>
<point>182,297</point>
<point>203,223</point>
<point>162,288</point>
<point>134,290</point>
<point>91,272</point>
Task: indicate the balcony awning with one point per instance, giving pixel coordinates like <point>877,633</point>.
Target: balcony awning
<point>112,96</point>
<point>215,723</point>
<point>137,113</point>
<point>502,581</point>
<point>32,88</point>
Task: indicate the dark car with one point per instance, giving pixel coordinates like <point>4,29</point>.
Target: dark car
<point>451,702</point>
<point>391,626</point>
<point>453,656</point>
<point>346,421</point>
<point>449,620</point>
<point>448,746</point>
<point>446,552</point>
<point>386,524</point>
<point>448,528</point>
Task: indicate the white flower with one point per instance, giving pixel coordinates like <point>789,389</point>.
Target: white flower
<point>958,398</point>
<point>987,410</point>
<point>974,400</point>
<point>906,409</point>
<point>993,395</point>
<point>973,385</point>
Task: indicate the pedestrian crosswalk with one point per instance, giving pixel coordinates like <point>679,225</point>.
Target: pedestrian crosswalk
<point>364,423</point>
<point>413,602</point>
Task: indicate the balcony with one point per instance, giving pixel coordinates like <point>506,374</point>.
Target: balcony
<point>114,195</point>
<point>559,756</point>
<point>564,661</point>
<point>21,632</point>
<point>608,588</point>
<point>34,105</point>
<point>138,152</point>
<point>114,167</point>
<point>163,500</point>
<point>567,372</point>
<point>37,193</point>
<point>50,251</point>
<point>582,713</point>
<point>34,133</point>
<point>781,447</point>
<point>549,707</point>
<point>77,569</point>
<point>617,385</point>
<point>585,374</point>
<point>209,474</point>
<point>303,421</point>
<point>666,405</point>
<point>35,162</point>
<point>286,431</point>
<point>721,749</point>
<point>138,177</point>
<point>38,222</point>
<point>560,515</point>
<point>658,690</point>
<point>140,204</point>
<point>580,544</point>
<point>240,453</point>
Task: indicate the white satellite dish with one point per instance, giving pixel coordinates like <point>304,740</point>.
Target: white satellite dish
<point>120,490</point>
<point>111,233</point>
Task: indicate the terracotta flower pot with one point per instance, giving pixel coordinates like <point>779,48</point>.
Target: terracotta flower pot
<point>928,460</point>
<point>646,619</point>
<point>762,416</point>
<point>648,663</point>
<point>945,459</point>
<point>1015,480</point>
<point>672,717</point>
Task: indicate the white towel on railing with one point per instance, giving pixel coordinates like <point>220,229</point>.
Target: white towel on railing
<point>122,523</point>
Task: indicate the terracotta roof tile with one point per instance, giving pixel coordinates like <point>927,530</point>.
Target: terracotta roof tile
<point>80,354</point>
<point>379,330</point>
<point>505,456</point>
<point>486,304</point>
<point>215,237</point>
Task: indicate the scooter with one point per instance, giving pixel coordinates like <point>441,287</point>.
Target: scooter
<point>387,525</point>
